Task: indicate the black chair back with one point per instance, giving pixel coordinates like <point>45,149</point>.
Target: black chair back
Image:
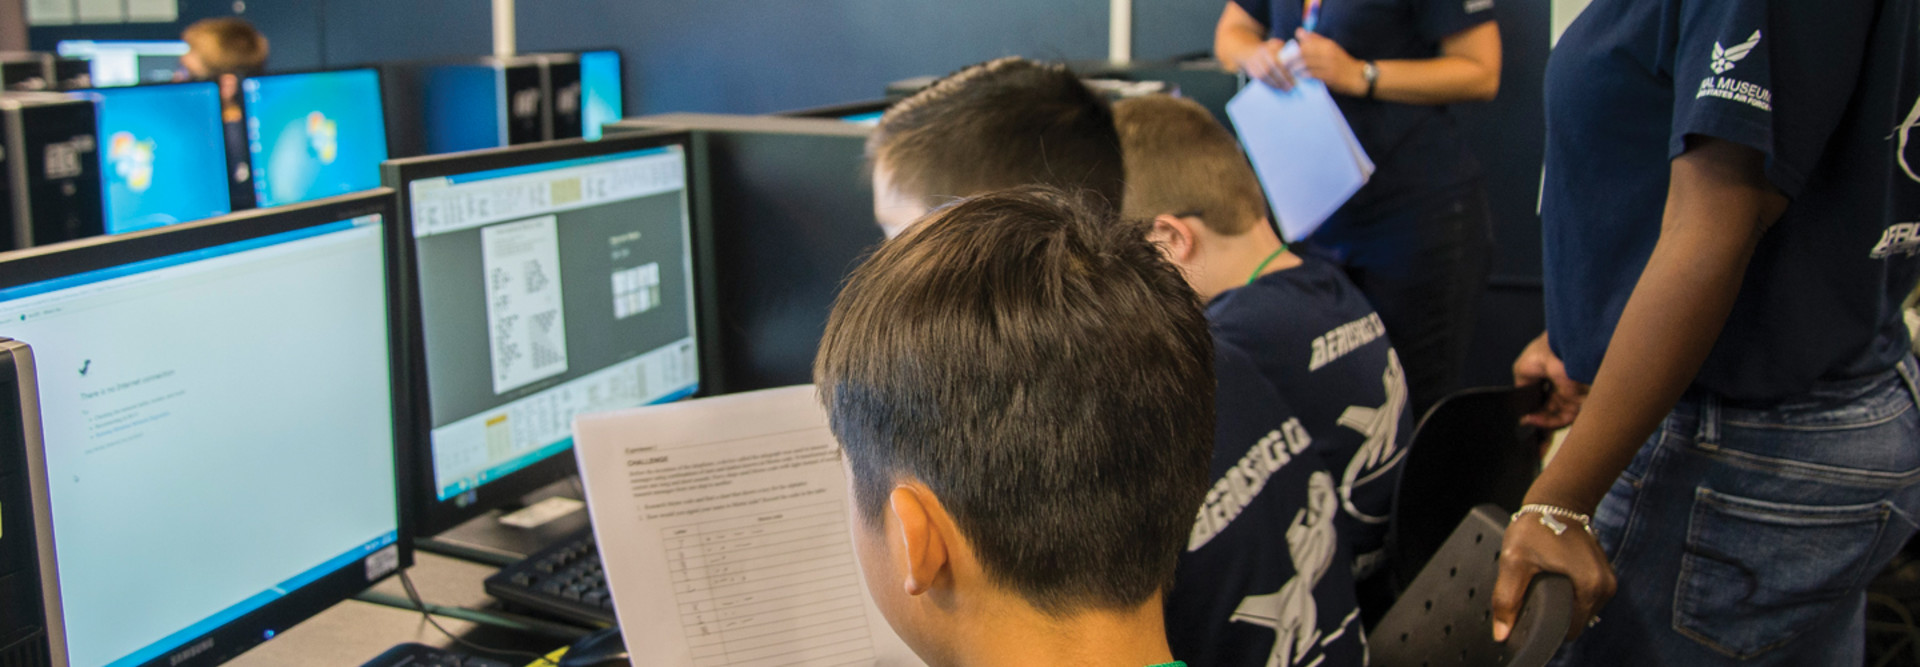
<point>1445,617</point>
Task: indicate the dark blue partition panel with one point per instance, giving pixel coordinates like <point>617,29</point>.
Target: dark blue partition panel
<point>373,31</point>
<point>750,56</point>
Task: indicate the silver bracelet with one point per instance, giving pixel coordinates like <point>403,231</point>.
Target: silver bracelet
<point>1550,517</point>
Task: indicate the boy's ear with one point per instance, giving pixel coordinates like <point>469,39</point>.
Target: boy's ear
<point>920,532</point>
<point>1175,237</point>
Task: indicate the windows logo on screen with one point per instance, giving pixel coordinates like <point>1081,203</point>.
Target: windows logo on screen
<point>132,160</point>
<point>323,137</point>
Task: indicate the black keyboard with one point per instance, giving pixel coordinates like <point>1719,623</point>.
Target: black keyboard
<point>564,580</point>
<point>417,655</point>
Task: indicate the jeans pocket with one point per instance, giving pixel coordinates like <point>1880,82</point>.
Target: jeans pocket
<point>1756,574</point>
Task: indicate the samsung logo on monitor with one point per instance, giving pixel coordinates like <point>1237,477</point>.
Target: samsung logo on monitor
<point>191,652</point>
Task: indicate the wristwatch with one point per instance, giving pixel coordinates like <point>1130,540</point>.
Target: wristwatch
<point>1371,73</point>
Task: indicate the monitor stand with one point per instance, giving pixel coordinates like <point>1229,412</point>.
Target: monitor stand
<point>505,537</point>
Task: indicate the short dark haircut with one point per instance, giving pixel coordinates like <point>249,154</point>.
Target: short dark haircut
<point>1181,161</point>
<point>1001,124</point>
<point>1046,372</point>
<point>228,45</point>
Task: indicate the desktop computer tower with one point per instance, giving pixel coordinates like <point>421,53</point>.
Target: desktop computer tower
<point>26,71</point>
<point>50,174</point>
<point>23,608</point>
<point>71,73</point>
<point>493,102</point>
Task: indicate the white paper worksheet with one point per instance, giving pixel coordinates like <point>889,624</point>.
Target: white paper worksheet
<point>723,526</point>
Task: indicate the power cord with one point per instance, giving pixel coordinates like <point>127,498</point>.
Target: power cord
<point>413,595</point>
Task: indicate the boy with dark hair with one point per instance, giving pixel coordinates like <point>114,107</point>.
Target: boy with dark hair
<point>1311,333</point>
<point>996,125</point>
<point>1022,389</point>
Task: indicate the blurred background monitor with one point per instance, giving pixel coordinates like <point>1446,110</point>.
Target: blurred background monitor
<point>315,134</point>
<point>127,63</point>
<point>217,402</point>
<point>600,79</point>
<point>162,154</point>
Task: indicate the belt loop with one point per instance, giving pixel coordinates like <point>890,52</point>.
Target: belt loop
<point>1708,430</point>
<point>1911,374</point>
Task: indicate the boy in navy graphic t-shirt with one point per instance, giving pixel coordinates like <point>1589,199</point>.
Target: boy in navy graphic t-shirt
<point>1308,332</point>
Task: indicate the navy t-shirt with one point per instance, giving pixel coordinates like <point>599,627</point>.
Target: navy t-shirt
<point>1828,91</point>
<point>1261,581</point>
<point>1416,149</point>
<point>1319,344</point>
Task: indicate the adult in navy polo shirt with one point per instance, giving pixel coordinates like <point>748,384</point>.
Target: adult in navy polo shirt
<point>1729,204</point>
<point>1418,238</point>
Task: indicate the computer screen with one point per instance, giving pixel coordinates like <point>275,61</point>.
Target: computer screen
<point>314,135</point>
<point>127,63</point>
<point>219,427</point>
<point>600,83</point>
<point>552,280</point>
<point>162,154</point>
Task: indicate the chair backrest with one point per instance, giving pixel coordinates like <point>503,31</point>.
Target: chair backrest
<point>1445,617</point>
<point>1469,449</point>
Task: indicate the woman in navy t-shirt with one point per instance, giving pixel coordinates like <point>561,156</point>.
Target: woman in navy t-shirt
<point>1729,208</point>
<point>1418,238</point>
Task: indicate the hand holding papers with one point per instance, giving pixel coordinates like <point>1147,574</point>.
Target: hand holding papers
<point>1301,147</point>
<point>723,526</point>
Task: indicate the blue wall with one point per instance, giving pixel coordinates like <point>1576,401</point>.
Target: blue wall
<point>705,55</point>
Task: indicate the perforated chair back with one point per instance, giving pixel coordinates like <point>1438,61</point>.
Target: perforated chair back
<point>1445,617</point>
<point>1469,449</point>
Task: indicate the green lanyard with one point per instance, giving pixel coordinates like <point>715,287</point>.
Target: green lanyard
<point>1256,276</point>
<point>1175,663</point>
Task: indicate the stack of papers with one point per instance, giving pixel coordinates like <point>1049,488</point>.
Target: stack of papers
<point>1302,149</point>
<point>723,526</point>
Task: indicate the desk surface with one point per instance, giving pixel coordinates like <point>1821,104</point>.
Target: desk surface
<point>353,632</point>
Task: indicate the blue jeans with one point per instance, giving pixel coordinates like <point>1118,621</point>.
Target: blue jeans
<point>1747,535</point>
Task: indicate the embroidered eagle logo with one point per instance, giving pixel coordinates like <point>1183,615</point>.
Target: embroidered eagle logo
<point>1724,58</point>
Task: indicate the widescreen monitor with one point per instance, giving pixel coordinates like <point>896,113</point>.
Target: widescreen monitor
<point>217,402</point>
<point>315,134</point>
<point>600,91</point>
<point>127,63</point>
<point>162,154</point>
<point>548,281</point>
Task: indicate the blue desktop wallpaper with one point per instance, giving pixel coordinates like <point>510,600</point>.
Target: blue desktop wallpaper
<point>314,135</point>
<point>162,155</point>
<point>600,81</point>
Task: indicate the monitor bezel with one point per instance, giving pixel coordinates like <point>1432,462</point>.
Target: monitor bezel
<point>53,261</point>
<point>379,90</point>
<point>434,516</point>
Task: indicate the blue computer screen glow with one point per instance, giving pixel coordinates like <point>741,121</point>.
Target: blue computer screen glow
<point>162,155</point>
<point>314,135</point>
<point>600,79</point>
<point>219,434</point>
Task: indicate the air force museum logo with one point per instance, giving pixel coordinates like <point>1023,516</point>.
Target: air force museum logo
<point>1725,58</point>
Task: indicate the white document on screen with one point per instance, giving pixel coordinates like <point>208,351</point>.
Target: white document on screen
<point>723,526</point>
<point>526,326</point>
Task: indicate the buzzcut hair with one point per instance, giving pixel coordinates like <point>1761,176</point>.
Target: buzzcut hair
<point>1000,124</point>
<point>1181,161</point>
<point>228,45</point>
<point>1048,375</point>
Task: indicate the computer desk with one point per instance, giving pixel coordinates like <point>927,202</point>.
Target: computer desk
<point>353,632</point>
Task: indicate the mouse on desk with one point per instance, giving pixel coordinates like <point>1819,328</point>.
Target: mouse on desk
<point>600,649</point>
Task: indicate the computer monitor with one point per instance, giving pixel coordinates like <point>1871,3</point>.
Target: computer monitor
<point>162,154</point>
<point>315,134</point>
<point>600,80</point>
<point>126,63</point>
<point>547,280</point>
<point>218,408</point>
